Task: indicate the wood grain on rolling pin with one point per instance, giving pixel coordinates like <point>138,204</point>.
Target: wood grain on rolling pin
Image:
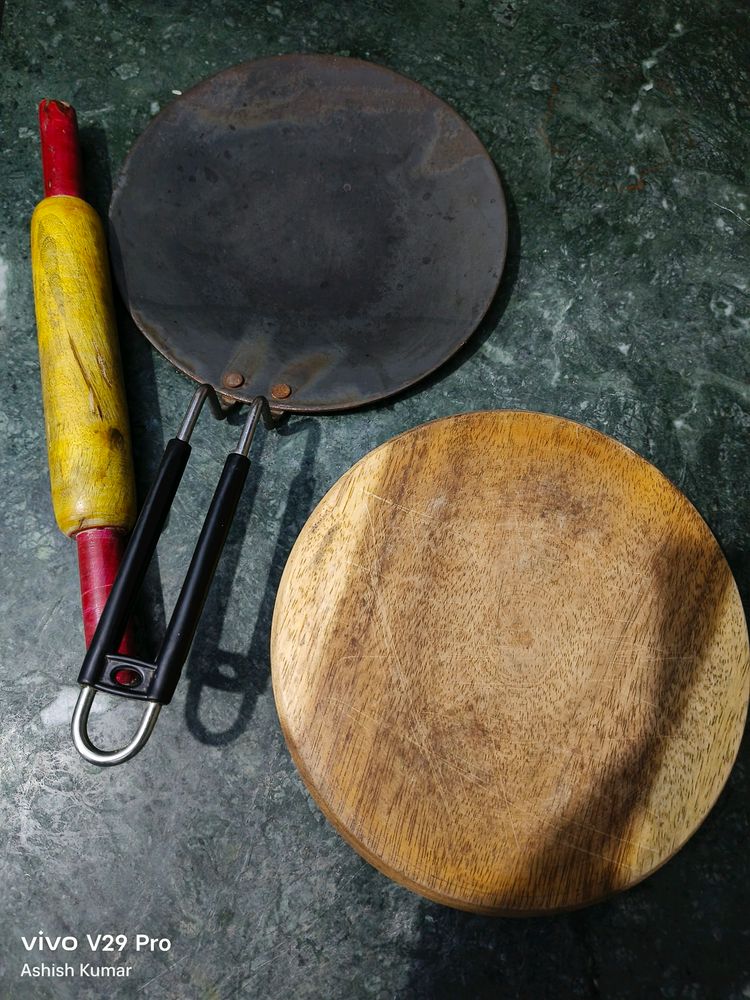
<point>510,662</point>
<point>88,438</point>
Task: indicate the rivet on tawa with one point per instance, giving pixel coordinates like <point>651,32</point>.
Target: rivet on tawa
<point>281,391</point>
<point>233,380</point>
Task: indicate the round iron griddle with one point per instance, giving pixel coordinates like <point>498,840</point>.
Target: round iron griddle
<point>310,220</point>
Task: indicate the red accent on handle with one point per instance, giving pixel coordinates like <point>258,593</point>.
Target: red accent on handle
<point>61,154</point>
<point>99,554</point>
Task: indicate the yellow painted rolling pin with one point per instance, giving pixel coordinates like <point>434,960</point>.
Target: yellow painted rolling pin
<point>85,412</point>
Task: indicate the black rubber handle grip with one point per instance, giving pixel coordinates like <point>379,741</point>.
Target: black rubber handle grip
<point>135,562</point>
<point>179,635</point>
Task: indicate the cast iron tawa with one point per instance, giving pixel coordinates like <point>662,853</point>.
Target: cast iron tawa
<point>311,221</point>
<point>309,232</point>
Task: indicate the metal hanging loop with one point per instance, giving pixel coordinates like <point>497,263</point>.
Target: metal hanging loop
<point>107,758</point>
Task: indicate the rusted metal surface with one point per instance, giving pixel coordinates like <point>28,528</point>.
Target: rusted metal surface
<point>310,221</point>
<point>233,380</point>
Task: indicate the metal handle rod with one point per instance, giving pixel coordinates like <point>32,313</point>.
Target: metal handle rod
<point>258,407</point>
<point>201,394</point>
<point>135,561</point>
<point>189,606</point>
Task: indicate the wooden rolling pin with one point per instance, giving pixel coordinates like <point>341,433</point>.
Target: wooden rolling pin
<point>85,412</point>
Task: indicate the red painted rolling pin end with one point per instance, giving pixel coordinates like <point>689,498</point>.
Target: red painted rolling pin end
<point>100,552</point>
<point>61,153</point>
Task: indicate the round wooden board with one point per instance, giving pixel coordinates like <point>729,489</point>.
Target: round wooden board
<point>510,662</point>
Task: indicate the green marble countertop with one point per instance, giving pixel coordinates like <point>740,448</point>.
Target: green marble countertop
<point>621,133</point>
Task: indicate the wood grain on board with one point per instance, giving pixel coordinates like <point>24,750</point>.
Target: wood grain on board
<point>510,662</point>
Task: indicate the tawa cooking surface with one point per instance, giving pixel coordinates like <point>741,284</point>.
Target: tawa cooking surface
<point>310,220</point>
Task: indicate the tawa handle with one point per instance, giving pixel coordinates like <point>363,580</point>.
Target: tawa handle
<point>154,683</point>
